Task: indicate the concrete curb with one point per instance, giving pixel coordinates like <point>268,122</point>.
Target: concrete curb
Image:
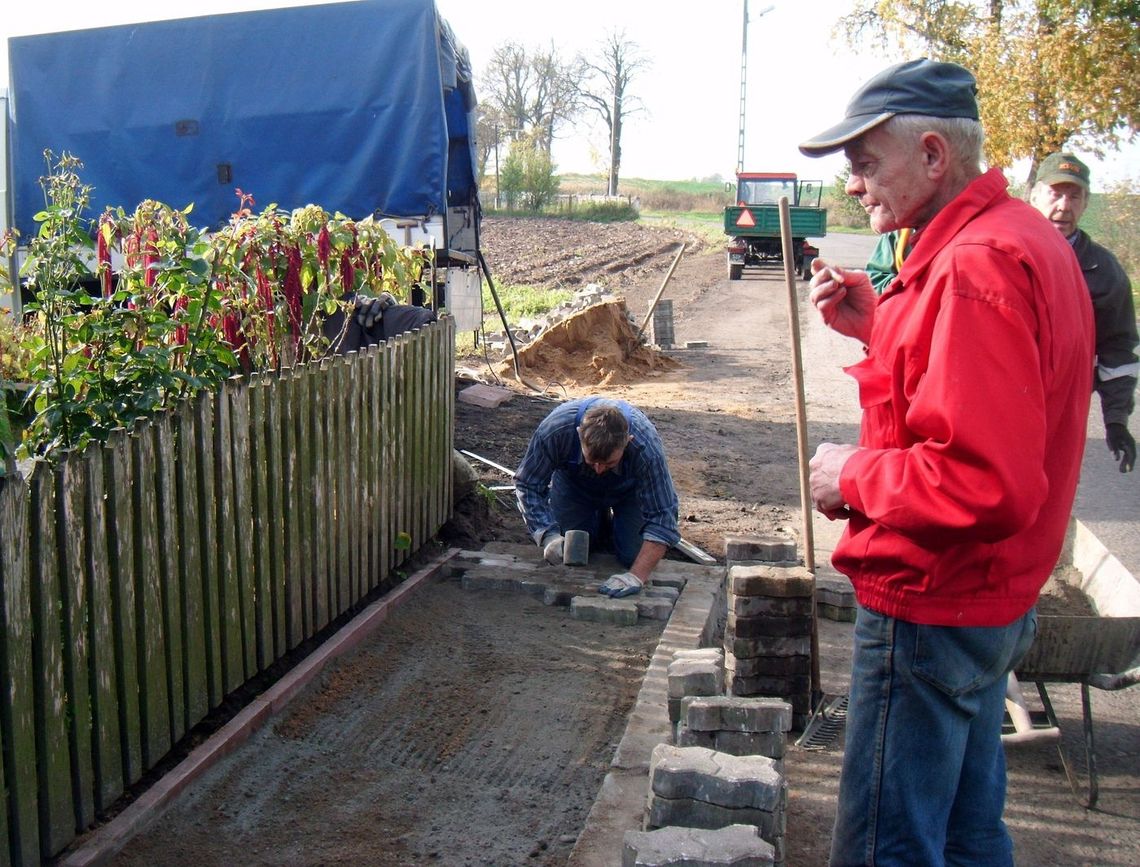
<point>106,841</point>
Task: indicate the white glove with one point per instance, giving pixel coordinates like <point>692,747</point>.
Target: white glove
<point>617,586</point>
<point>552,548</point>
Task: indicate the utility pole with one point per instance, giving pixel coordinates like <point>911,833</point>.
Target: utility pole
<point>743,83</point>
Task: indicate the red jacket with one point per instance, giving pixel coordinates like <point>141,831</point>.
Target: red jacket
<point>975,395</point>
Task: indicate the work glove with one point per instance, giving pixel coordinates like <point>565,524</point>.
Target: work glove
<point>617,586</point>
<point>1121,444</point>
<point>552,545</point>
<point>368,311</point>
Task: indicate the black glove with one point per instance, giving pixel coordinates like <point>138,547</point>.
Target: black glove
<point>1121,444</point>
<point>368,311</point>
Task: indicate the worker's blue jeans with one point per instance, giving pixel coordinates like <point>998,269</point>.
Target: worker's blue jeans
<point>580,501</point>
<point>923,778</point>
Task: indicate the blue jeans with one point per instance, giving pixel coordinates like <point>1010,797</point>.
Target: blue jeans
<point>923,778</point>
<point>579,502</point>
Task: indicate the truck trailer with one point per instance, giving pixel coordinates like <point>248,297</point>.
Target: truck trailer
<point>365,108</point>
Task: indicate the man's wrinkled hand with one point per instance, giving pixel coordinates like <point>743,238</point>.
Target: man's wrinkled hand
<point>844,298</point>
<point>552,545</point>
<point>617,586</point>
<point>1121,444</point>
<point>826,466</point>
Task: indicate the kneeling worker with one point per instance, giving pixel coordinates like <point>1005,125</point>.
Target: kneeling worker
<point>592,458</point>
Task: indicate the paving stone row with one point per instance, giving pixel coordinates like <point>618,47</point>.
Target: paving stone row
<point>521,569</point>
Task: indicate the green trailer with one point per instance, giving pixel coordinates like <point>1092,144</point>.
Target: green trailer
<point>753,223</point>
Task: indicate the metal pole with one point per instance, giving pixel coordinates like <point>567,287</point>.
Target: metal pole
<point>801,434</point>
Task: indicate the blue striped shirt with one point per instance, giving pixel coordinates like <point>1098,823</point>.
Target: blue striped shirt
<point>555,446</point>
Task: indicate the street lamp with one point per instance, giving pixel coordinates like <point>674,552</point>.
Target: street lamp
<point>743,81</point>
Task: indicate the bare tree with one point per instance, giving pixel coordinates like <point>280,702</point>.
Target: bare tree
<point>490,131</point>
<point>556,100</point>
<point>507,84</point>
<point>605,91</point>
<point>531,91</point>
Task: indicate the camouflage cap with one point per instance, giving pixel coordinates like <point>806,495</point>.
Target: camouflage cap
<point>1063,168</point>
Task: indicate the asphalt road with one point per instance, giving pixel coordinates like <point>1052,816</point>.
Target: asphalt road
<point>1108,501</point>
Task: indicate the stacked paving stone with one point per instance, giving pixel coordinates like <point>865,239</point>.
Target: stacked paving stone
<point>834,598</point>
<point>737,726</point>
<point>731,846</point>
<point>767,636</point>
<point>698,672</point>
<point>694,787</point>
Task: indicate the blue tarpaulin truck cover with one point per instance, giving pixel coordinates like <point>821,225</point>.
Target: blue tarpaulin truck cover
<point>362,107</point>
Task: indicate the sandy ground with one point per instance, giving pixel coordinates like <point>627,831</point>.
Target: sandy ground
<point>317,784</point>
<point>474,728</point>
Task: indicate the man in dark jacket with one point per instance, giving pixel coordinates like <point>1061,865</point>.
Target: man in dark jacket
<point>592,461</point>
<point>1062,194</point>
<point>370,320</point>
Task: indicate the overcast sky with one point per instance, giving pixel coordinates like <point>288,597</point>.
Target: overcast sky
<point>799,77</point>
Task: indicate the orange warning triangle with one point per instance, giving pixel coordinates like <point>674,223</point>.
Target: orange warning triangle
<point>746,219</point>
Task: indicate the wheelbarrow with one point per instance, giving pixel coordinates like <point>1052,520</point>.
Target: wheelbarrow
<point>1100,651</point>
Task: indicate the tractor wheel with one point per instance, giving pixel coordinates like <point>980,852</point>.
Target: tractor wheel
<point>734,271</point>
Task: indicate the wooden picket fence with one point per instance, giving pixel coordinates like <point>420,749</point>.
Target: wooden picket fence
<point>143,581</point>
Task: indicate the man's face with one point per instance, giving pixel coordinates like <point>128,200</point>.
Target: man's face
<point>888,178</point>
<point>602,464</point>
<point>1062,204</point>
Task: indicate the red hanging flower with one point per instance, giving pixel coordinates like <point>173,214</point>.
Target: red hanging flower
<point>150,257</point>
<point>265,295</point>
<point>181,332</point>
<point>103,254</point>
<point>292,289</point>
<point>324,246</point>
<point>347,273</point>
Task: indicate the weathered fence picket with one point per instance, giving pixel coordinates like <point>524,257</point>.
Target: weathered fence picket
<point>144,580</point>
<point>53,755</point>
<point>17,699</point>
<point>119,481</point>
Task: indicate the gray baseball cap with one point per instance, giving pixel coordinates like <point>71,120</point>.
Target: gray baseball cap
<point>915,87</point>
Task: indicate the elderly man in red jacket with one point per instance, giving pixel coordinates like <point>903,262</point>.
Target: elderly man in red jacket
<point>975,391</point>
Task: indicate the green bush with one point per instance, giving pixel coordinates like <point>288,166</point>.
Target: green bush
<point>527,179</point>
<point>186,310</point>
<point>842,209</point>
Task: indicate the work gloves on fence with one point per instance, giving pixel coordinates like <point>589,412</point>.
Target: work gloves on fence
<point>1121,444</point>
<point>617,586</point>
<point>552,545</point>
<point>369,311</point>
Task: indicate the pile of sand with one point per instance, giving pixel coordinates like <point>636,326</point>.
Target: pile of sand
<point>594,346</point>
